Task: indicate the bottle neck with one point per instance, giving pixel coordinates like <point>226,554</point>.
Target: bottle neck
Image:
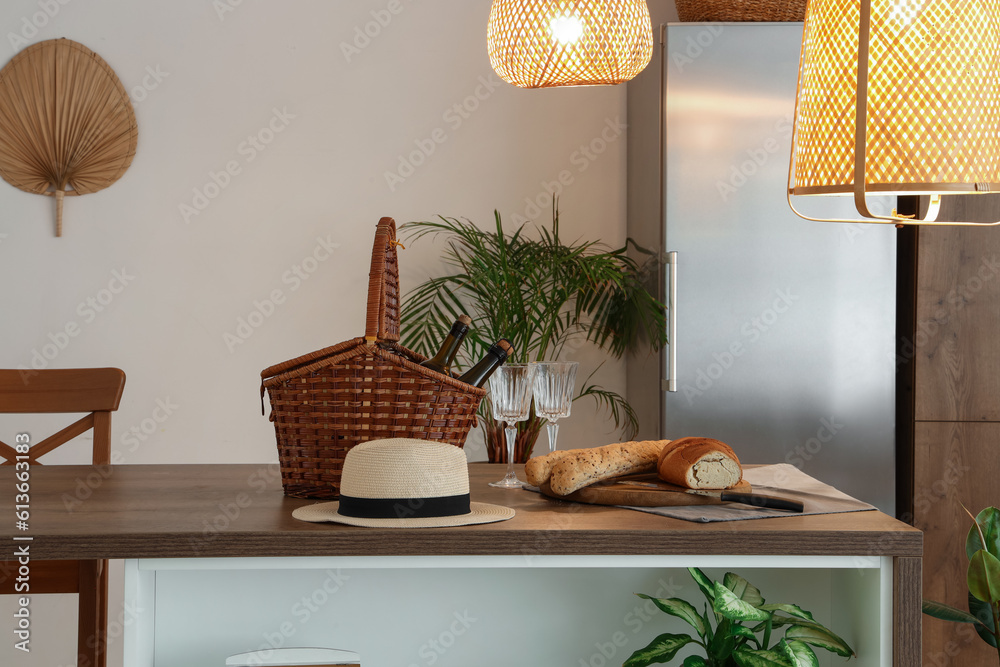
<point>449,348</point>
<point>445,356</point>
<point>478,374</point>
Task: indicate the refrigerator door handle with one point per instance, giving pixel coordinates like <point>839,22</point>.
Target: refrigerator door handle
<point>671,382</point>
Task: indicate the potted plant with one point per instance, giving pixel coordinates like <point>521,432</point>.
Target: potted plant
<point>541,293</point>
<point>730,643</point>
<point>982,546</point>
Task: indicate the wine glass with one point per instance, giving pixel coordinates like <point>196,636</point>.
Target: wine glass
<point>553,390</point>
<point>510,395</point>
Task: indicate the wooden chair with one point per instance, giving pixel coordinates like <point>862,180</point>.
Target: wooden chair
<point>96,391</point>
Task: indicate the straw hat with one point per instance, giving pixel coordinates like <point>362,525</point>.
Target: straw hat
<point>404,483</point>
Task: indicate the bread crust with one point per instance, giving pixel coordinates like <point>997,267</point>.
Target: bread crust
<point>587,466</point>
<point>538,469</point>
<point>679,463</point>
<point>687,442</point>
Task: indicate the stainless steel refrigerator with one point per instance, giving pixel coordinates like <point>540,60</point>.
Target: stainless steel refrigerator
<point>784,329</point>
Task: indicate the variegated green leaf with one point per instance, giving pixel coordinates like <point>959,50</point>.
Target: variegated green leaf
<point>779,621</point>
<point>660,650</point>
<point>723,642</point>
<point>706,585</point>
<point>743,589</point>
<point>694,661</point>
<point>821,637</point>
<point>790,609</point>
<point>748,658</point>
<point>704,618</point>
<point>747,634</point>
<point>798,653</point>
<point>681,609</point>
<point>730,606</point>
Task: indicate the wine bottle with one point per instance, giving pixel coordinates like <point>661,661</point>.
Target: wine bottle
<point>496,355</point>
<point>445,357</point>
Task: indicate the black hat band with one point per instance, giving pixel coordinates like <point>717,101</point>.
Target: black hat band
<point>404,508</point>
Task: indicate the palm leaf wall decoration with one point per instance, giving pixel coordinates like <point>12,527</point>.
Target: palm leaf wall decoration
<point>66,122</point>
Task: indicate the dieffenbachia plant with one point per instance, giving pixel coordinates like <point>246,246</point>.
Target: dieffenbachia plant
<point>743,632</point>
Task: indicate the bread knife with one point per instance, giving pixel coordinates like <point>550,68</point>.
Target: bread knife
<point>755,499</point>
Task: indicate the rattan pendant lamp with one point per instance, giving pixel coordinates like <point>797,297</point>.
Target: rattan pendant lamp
<point>897,97</point>
<point>548,43</point>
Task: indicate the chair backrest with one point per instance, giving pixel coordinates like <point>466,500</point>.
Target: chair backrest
<point>96,391</point>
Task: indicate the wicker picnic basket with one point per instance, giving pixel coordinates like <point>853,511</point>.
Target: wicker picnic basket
<point>741,10</point>
<point>326,402</point>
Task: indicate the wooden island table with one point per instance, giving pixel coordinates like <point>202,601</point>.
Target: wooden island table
<point>216,565</point>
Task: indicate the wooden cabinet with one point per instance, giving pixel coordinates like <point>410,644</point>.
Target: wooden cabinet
<point>217,566</point>
<point>457,611</point>
<point>958,323</point>
<point>956,347</point>
<point>957,464</point>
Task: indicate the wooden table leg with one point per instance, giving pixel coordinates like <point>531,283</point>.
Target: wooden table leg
<point>907,587</point>
<point>93,614</point>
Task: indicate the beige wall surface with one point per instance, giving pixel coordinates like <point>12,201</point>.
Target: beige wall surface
<point>272,137</point>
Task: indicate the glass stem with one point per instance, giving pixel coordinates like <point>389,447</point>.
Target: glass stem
<point>511,437</point>
<point>553,429</point>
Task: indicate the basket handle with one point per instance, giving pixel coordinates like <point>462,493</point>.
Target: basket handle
<point>382,320</point>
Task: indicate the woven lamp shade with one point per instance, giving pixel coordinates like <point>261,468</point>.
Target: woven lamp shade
<point>547,43</point>
<point>919,79</point>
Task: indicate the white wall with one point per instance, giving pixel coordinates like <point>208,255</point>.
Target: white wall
<point>344,121</point>
<point>204,80</point>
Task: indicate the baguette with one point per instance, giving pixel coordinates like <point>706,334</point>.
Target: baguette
<point>539,468</point>
<point>587,466</point>
<point>699,463</point>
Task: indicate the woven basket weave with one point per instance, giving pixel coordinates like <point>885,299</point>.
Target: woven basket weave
<point>741,10</point>
<point>525,48</point>
<point>326,402</point>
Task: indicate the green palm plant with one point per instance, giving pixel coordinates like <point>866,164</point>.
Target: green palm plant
<point>540,293</point>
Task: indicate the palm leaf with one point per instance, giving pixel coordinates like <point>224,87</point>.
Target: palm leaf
<point>622,413</point>
<point>538,292</point>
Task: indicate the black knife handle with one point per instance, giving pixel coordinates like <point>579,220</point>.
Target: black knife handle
<point>762,501</point>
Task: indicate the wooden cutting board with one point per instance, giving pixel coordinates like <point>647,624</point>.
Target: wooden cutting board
<point>645,490</point>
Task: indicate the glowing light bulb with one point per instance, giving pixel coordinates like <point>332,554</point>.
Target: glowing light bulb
<point>566,29</point>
